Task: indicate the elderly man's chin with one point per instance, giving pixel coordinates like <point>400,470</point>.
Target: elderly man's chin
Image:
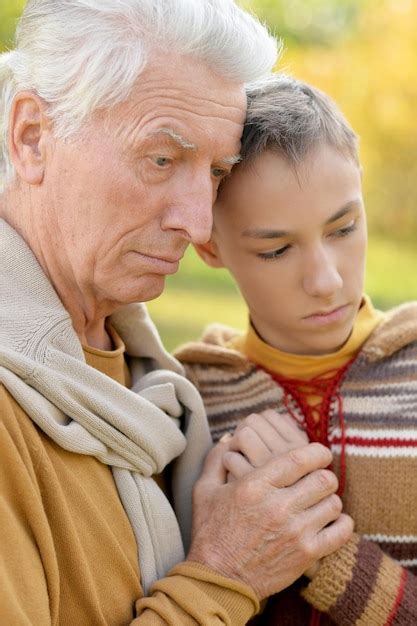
<point>130,289</point>
<point>153,286</point>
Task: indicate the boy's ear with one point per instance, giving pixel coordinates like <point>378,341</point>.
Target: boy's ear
<point>209,253</point>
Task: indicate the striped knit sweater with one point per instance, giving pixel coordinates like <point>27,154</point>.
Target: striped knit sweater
<point>372,580</point>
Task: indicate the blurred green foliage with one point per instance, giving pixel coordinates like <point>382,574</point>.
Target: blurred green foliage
<point>364,54</point>
<point>9,13</point>
<point>307,22</point>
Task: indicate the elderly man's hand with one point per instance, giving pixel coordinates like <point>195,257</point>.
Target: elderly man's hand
<point>256,440</point>
<point>270,525</point>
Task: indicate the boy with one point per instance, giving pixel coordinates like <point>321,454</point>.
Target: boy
<point>289,224</point>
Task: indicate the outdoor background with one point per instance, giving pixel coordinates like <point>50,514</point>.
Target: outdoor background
<point>364,53</point>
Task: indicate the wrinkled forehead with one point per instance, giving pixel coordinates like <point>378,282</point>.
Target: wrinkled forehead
<point>181,92</point>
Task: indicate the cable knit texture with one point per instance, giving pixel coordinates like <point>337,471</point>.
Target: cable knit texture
<point>372,580</point>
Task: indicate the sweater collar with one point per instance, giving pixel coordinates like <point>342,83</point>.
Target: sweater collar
<point>216,347</point>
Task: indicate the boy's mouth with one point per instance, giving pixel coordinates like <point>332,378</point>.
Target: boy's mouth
<point>327,317</point>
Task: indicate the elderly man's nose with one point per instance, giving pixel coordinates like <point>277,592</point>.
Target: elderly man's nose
<point>192,213</point>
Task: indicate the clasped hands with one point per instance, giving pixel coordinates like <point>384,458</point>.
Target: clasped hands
<point>265,508</point>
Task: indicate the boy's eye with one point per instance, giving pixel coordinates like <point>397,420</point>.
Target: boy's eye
<point>274,254</point>
<point>345,230</point>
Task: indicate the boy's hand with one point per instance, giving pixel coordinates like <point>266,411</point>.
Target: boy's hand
<point>258,438</point>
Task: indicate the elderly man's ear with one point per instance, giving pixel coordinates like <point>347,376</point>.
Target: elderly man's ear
<point>29,134</point>
<point>209,252</point>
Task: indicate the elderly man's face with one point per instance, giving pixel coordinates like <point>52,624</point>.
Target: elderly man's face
<point>128,196</point>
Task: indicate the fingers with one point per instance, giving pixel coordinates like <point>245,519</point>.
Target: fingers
<point>276,430</point>
<point>313,488</point>
<point>261,436</point>
<point>248,442</point>
<point>259,424</point>
<point>335,536</point>
<point>214,472</point>
<point>288,428</point>
<point>295,464</point>
<point>236,465</point>
<point>287,469</point>
<point>324,512</point>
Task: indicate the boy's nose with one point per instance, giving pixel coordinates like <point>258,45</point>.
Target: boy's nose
<point>321,276</point>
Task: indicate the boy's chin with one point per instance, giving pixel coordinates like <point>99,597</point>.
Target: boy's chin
<point>329,344</point>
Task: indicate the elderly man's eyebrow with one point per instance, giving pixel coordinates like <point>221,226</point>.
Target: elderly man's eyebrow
<point>232,160</point>
<point>179,139</point>
<point>183,142</point>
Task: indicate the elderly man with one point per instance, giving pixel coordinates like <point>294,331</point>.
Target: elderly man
<point>118,120</point>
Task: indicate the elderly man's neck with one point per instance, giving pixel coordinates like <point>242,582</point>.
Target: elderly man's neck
<point>88,316</point>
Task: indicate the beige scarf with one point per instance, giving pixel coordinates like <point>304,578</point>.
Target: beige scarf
<point>137,432</point>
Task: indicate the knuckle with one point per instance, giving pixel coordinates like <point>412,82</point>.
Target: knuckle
<point>326,480</point>
<point>295,533</point>
<point>283,513</point>
<point>336,504</point>
<point>245,433</point>
<point>308,549</point>
<point>243,437</point>
<point>253,420</point>
<point>322,450</point>
<point>347,528</point>
<point>246,491</point>
<point>296,457</point>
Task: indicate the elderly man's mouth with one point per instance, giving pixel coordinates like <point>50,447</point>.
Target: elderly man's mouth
<point>160,264</point>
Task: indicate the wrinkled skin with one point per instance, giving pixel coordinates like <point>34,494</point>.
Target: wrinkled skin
<point>269,525</point>
<point>110,212</point>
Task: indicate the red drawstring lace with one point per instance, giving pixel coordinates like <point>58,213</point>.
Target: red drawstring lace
<point>315,618</point>
<point>315,418</point>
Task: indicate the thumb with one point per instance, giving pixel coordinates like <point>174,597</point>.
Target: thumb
<point>214,473</point>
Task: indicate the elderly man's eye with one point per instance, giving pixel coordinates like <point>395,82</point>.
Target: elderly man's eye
<point>219,172</point>
<point>161,161</point>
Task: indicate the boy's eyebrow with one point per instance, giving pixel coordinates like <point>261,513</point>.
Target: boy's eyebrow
<point>264,233</point>
<point>350,206</point>
<point>270,233</point>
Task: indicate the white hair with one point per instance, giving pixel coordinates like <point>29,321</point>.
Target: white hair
<point>84,55</point>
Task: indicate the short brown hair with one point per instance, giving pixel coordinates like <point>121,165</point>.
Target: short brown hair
<point>291,117</point>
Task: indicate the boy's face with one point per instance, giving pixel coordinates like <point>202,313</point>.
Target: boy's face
<point>295,241</point>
